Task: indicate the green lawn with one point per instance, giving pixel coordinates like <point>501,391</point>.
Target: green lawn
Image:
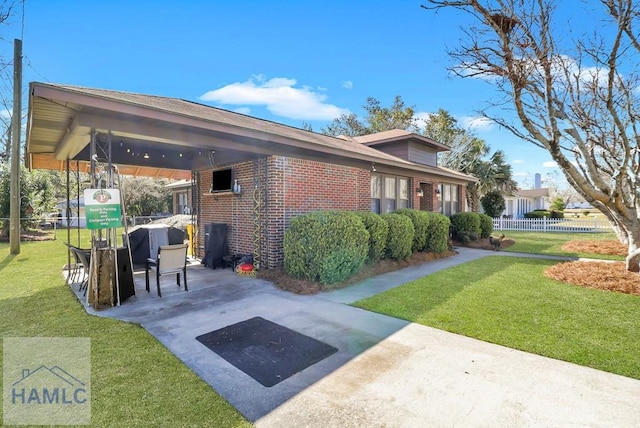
<point>508,301</point>
<point>135,380</point>
<point>551,243</point>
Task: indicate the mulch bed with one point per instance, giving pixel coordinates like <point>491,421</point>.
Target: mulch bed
<point>602,275</point>
<point>36,235</point>
<point>596,247</point>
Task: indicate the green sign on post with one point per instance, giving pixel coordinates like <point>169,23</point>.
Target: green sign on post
<point>102,208</point>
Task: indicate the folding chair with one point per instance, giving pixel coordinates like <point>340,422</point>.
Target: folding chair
<point>171,259</point>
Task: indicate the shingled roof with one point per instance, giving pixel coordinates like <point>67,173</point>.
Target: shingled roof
<point>62,118</point>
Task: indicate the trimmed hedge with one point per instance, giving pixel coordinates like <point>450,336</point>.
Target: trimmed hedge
<point>420,220</point>
<point>325,246</point>
<point>437,233</point>
<point>486,225</point>
<point>400,238</point>
<point>466,226</point>
<point>378,233</point>
<point>544,213</point>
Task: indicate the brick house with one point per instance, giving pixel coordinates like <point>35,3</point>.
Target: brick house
<point>281,171</point>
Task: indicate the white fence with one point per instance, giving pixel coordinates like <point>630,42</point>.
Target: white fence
<point>552,224</point>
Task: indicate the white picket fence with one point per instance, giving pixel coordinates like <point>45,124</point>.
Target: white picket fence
<point>552,224</point>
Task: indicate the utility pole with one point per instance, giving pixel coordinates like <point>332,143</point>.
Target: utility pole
<point>14,212</point>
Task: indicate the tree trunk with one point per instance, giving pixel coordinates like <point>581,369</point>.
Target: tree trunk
<point>633,258</point>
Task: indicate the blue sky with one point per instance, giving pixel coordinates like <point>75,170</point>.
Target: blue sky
<point>286,61</point>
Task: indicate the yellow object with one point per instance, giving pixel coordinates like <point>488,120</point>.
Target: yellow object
<point>190,238</point>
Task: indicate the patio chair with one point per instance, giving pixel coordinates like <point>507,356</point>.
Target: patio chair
<point>81,267</point>
<point>171,259</point>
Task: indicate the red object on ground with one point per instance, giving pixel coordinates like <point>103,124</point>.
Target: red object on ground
<point>245,267</point>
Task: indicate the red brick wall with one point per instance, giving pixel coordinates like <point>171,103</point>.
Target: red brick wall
<point>299,186</point>
<point>285,187</point>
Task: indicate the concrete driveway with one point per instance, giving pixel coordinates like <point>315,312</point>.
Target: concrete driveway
<point>387,372</point>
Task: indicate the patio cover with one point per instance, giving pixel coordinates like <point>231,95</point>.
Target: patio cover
<point>169,137</point>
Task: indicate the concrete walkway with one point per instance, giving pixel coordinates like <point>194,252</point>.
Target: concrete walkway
<point>387,372</point>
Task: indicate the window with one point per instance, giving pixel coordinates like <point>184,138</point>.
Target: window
<point>388,193</point>
<point>182,206</point>
<point>376,193</point>
<point>403,193</point>
<point>448,199</point>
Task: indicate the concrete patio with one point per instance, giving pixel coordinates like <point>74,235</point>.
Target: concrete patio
<point>387,372</point>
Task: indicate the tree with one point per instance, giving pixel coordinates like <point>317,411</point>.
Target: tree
<point>493,203</point>
<point>558,204</point>
<point>576,99</point>
<point>145,195</point>
<point>378,119</point>
<point>468,154</point>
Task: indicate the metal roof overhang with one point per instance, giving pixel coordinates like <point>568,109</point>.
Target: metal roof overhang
<point>155,142</point>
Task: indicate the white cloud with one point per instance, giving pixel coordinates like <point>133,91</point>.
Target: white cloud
<point>279,95</point>
<point>521,174</point>
<point>550,164</point>
<point>347,84</point>
<point>243,110</point>
<point>476,123</point>
<point>518,161</point>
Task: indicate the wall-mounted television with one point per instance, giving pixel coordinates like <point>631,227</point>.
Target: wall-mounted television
<point>222,181</point>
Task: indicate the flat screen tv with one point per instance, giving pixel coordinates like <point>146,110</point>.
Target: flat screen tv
<point>222,181</point>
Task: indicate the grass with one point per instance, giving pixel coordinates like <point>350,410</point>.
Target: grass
<point>135,380</point>
<point>508,301</point>
<point>551,242</point>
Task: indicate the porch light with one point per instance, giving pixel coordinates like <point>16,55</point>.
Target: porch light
<point>420,192</point>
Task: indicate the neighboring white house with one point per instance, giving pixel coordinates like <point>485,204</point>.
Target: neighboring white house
<point>76,212</point>
<point>526,200</point>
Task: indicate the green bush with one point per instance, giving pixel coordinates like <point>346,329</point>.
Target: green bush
<point>466,224</point>
<point>437,233</point>
<point>535,214</point>
<point>556,214</point>
<point>493,203</point>
<point>378,232</point>
<point>544,213</point>
<point>400,238</point>
<point>325,246</point>
<point>420,220</point>
<point>486,226</point>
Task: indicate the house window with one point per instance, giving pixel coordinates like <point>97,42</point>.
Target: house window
<point>376,193</point>
<point>448,202</point>
<point>182,203</point>
<point>388,193</point>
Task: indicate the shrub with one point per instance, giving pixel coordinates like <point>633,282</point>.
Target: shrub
<point>420,220</point>
<point>544,213</point>
<point>486,226</point>
<point>325,246</point>
<point>400,239</point>
<point>556,214</point>
<point>466,223</point>
<point>437,233</point>
<point>535,214</point>
<point>493,203</point>
<point>378,232</point>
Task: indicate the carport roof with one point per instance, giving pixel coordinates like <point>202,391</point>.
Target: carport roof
<point>169,137</point>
